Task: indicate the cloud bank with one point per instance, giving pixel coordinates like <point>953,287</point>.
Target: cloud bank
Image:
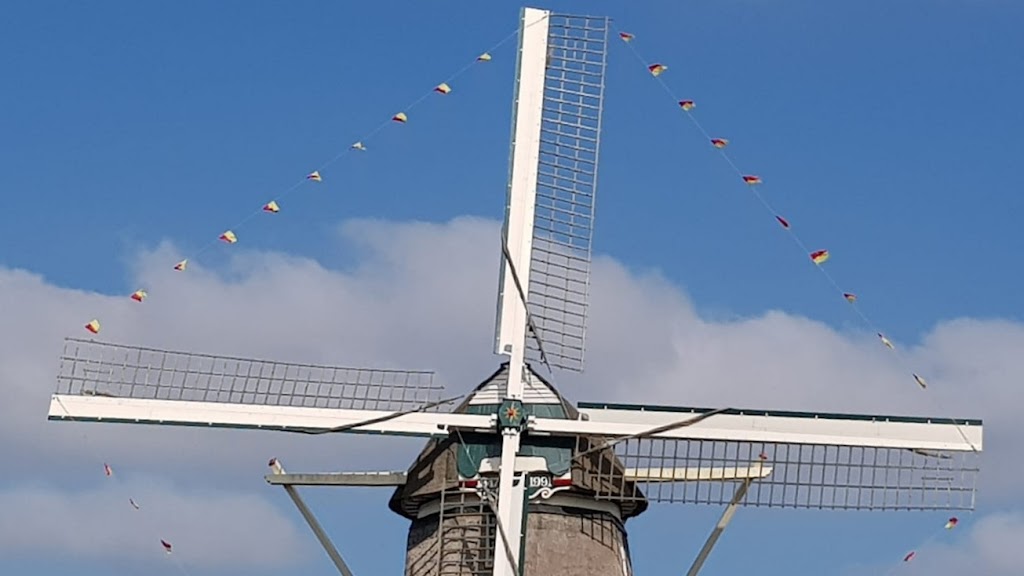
<point>421,296</point>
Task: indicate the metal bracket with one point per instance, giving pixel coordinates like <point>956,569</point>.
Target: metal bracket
<point>307,514</point>
<point>723,522</point>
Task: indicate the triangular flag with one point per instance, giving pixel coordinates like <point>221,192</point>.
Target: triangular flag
<point>400,117</point>
<point>93,326</point>
<point>139,295</point>
<point>752,179</point>
<point>886,341</point>
<point>442,88</point>
<point>626,36</point>
<point>719,142</point>
<point>314,176</point>
<point>657,69</point>
<point>271,207</point>
<point>229,237</point>
<point>687,105</point>
<point>920,381</point>
<point>820,256</point>
<point>358,146</point>
<point>180,266</point>
<point>485,57</point>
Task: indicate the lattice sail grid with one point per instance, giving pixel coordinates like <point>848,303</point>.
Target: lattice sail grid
<point>788,475</point>
<point>566,185</point>
<point>100,369</point>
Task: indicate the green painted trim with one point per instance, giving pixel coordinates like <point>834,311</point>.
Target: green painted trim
<point>782,414</point>
<point>233,426</point>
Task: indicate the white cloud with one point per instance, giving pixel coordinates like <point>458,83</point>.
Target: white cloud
<point>991,545</point>
<point>246,531</point>
<point>422,296</point>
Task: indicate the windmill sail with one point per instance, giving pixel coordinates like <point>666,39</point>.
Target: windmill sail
<point>549,211</point>
<point>99,381</point>
<point>795,459</point>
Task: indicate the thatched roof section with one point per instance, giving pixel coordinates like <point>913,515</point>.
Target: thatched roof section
<point>436,468</point>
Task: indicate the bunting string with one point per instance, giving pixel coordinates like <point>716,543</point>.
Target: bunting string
<point>818,257</point>
<point>129,499</point>
<point>274,206</point>
<point>911,555</point>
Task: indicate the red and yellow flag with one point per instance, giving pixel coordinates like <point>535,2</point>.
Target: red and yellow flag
<point>180,266</point>
<point>93,326</point>
<point>626,36</point>
<point>400,118</point>
<point>442,88</point>
<point>719,142</point>
<point>229,237</point>
<point>271,207</point>
<point>657,69</point>
<point>820,256</point>
<point>850,297</point>
<point>139,295</point>
<point>752,179</point>
<point>687,105</point>
<point>485,57</point>
<point>314,176</point>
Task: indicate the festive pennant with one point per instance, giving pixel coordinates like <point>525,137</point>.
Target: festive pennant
<point>952,523</point>
<point>229,237</point>
<point>139,295</point>
<point>626,36</point>
<point>401,118</point>
<point>850,297</point>
<point>657,69</point>
<point>783,222</point>
<point>358,146</point>
<point>752,180</point>
<point>909,557</point>
<point>820,256</point>
<point>271,207</point>
<point>485,57</point>
<point>166,545</point>
<point>442,88</point>
<point>687,105</point>
<point>93,326</point>
<point>180,266</point>
<point>886,341</point>
<point>719,142</point>
<point>107,469</point>
<point>133,503</point>
<point>314,176</point>
<point>920,381</point>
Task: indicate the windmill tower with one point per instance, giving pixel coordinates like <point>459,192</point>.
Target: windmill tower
<point>516,480</point>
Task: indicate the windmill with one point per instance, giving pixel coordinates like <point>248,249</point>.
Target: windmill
<point>515,479</point>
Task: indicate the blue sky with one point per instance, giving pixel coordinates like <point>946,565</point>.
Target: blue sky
<point>888,132</point>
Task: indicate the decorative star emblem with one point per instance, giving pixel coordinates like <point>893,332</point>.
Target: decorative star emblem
<point>512,413</point>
